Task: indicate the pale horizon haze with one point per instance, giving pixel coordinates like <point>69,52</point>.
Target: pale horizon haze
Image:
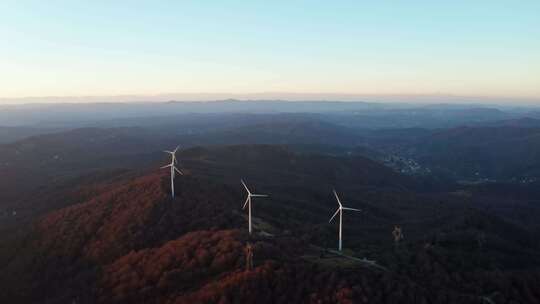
<point>87,51</point>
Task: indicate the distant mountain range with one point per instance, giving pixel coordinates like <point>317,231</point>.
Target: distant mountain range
<point>354,114</point>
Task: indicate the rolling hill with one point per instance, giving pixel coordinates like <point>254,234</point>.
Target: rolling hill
<point>127,241</point>
<point>506,153</point>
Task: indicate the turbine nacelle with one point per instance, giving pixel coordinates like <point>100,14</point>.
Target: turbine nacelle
<point>340,211</point>
<point>172,152</point>
<point>250,195</point>
<point>174,170</point>
<point>340,207</point>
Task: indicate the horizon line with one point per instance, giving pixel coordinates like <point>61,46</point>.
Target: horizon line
<point>271,96</point>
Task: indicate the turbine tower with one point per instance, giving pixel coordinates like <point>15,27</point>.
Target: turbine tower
<point>340,211</point>
<point>248,202</point>
<point>173,167</point>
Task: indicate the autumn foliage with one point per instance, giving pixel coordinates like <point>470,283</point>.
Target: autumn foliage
<point>131,243</point>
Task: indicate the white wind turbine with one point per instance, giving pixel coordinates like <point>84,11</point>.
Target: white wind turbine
<point>248,202</point>
<point>340,211</point>
<point>173,167</point>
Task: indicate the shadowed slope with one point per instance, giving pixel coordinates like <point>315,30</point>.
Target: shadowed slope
<point>73,243</point>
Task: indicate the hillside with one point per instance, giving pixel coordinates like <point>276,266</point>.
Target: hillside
<point>282,166</point>
<point>286,130</point>
<point>127,241</point>
<point>125,217</point>
<point>61,156</point>
<point>507,153</point>
<point>52,159</point>
<point>12,134</point>
<point>521,122</point>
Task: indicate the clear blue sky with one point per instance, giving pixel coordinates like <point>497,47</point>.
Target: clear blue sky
<point>68,48</point>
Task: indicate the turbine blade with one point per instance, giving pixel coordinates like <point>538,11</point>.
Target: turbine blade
<point>333,216</point>
<point>337,197</point>
<point>245,186</point>
<point>176,149</point>
<point>167,151</point>
<point>179,172</point>
<point>245,204</point>
<point>259,195</point>
<point>352,209</point>
<point>167,166</point>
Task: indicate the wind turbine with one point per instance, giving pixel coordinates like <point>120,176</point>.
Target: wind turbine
<point>248,202</point>
<point>173,167</point>
<point>340,211</point>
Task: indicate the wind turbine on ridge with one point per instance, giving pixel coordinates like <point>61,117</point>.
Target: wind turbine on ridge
<point>173,167</point>
<point>340,211</point>
<point>248,202</point>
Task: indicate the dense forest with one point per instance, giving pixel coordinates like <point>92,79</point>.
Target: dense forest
<point>98,223</point>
